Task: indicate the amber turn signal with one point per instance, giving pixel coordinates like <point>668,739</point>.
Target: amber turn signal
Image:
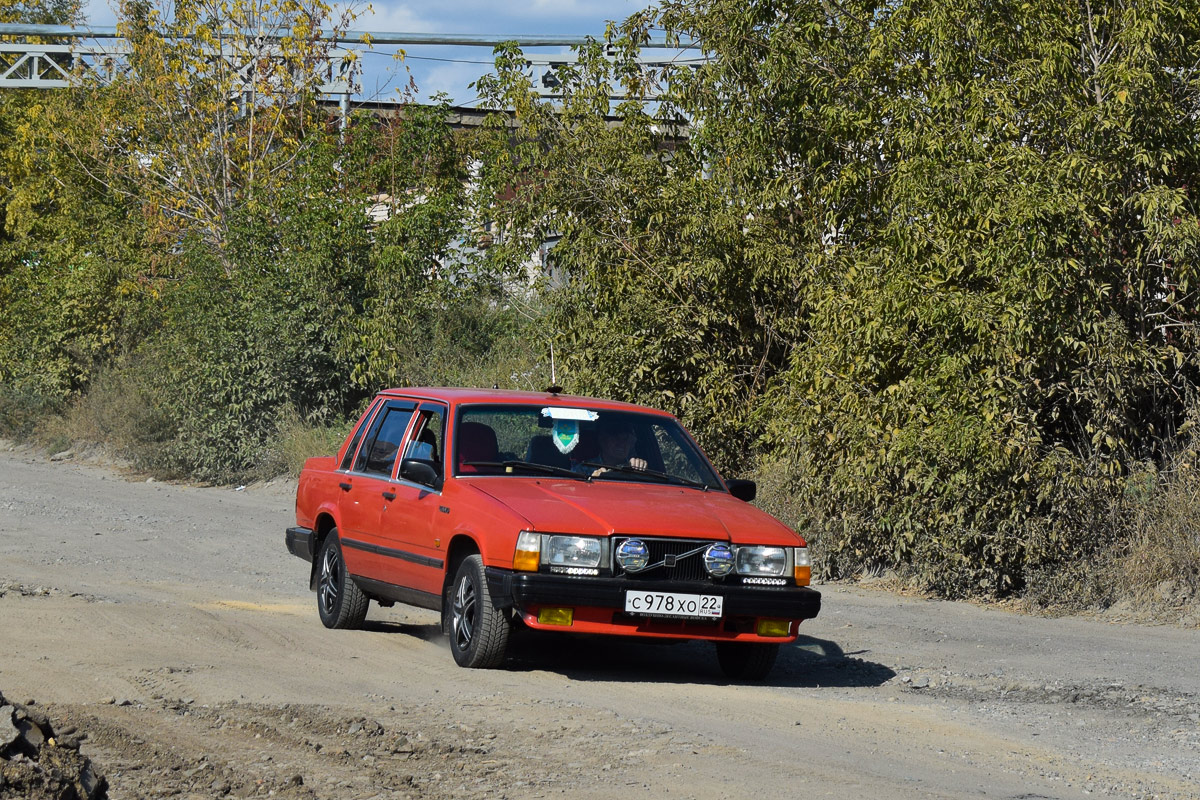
<point>802,566</point>
<point>528,553</point>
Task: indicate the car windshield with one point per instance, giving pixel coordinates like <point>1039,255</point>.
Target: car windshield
<point>579,443</point>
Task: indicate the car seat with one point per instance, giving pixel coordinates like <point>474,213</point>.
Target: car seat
<point>541,450</point>
<point>477,442</point>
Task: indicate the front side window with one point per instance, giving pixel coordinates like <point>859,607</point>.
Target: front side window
<point>425,443</point>
<point>589,443</point>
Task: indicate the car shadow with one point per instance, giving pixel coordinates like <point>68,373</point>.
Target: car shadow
<point>808,662</point>
<point>429,633</point>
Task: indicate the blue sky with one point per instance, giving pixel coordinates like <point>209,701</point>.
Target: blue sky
<point>442,69</point>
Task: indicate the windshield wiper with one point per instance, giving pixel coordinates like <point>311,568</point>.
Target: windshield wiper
<point>529,465</point>
<point>627,470</point>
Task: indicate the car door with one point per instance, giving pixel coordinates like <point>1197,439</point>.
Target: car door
<point>410,523</point>
<point>368,486</point>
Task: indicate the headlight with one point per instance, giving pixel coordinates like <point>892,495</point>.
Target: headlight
<point>573,551</point>
<point>762,561</point>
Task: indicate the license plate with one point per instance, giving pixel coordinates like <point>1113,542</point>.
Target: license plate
<point>674,604</point>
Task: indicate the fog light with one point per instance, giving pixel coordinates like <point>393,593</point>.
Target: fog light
<point>718,560</point>
<point>556,616</point>
<point>633,555</point>
<point>774,627</point>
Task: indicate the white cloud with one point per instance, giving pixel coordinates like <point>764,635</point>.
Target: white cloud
<point>532,16</point>
<point>453,79</point>
<point>596,9</point>
<point>393,18</point>
<point>100,13</point>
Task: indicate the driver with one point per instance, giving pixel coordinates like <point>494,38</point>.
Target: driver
<point>617,440</point>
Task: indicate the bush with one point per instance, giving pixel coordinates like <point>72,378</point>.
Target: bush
<point>22,408</point>
<point>296,440</point>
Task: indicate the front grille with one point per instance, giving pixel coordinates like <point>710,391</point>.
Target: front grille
<point>688,568</point>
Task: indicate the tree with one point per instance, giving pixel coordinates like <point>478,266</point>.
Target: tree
<point>69,264</point>
<point>937,258</point>
<point>41,12</point>
<point>215,108</point>
<point>657,305</point>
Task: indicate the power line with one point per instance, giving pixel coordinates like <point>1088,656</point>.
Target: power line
<point>408,56</point>
<point>375,37</point>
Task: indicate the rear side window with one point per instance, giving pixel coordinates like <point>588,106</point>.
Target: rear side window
<point>363,425</point>
<point>378,453</point>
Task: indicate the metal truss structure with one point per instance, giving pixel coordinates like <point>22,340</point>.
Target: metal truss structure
<point>70,52</point>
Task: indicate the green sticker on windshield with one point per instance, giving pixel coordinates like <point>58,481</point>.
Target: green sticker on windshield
<point>565,434</point>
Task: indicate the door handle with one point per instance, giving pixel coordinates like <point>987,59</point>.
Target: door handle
<point>346,486</point>
<point>389,495</point>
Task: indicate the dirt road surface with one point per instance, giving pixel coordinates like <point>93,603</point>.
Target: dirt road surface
<point>171,626</point>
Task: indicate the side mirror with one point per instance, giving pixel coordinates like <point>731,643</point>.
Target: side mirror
<point>743,490</point>
<point>422,471</point>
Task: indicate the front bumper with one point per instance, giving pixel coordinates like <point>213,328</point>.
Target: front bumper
<point>600,603</point>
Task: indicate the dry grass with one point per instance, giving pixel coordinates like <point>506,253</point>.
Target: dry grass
<point>120,413</point>
<point>1161,566</point>
<point>297,440</point>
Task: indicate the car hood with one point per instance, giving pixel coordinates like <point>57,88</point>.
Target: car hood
<point>601,508</point>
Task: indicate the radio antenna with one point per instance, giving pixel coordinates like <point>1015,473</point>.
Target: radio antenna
<point>553,388</point>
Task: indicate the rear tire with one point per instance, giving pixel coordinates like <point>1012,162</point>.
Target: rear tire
<point>751,661</point>
<point>478,630</point>
<point>340,603</point>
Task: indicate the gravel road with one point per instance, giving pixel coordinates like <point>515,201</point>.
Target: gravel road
<point>169,624</point>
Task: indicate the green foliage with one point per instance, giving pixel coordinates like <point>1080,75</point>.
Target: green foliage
<point>272,326</point>
<point>207,353</point>
<point>928,269</point>
<point>657,304</point>
<point>40,12</point>
<point>218,103</point>
<point>76,283</point>
<point>937,258</point>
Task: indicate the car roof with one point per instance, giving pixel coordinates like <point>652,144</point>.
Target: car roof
<point>462,396</point>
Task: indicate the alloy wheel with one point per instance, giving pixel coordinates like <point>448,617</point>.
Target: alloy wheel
<point>464,613</point>
<point>331,578</point>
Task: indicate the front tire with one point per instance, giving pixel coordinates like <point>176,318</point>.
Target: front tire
<point>340,603</point>
<point>478,630</point>
<point>751,661</point>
